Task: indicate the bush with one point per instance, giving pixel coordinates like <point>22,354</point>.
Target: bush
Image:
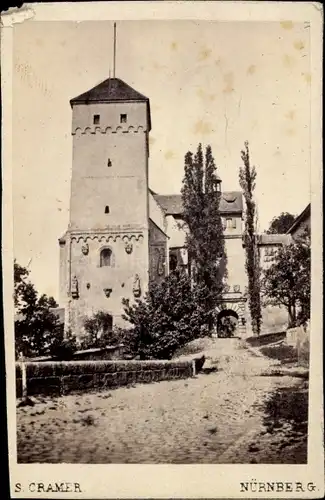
<point>36,326</point>
<point>64,348</point>
<point>168,317</point>
<point>126,337</point>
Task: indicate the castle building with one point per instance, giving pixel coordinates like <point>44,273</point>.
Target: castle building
<point>121,234</point>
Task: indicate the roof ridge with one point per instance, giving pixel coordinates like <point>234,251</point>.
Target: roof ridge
<point>299,218</point>
<point>110,90</point>
<point>172,203</point>
<point>180,194</point>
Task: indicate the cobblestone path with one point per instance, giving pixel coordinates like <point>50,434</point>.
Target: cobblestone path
<point>217,417</point>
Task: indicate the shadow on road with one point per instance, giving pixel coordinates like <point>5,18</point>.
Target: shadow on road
<point>286,410</point>
<point>282,352</point>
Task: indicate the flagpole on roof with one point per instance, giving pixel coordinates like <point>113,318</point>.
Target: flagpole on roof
<point>114,51</point>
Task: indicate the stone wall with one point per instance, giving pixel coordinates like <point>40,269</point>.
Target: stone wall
<point>110,166</point>
<point>299,339</point>
<point>60,378</point>
<point>108,212</point>
<point>274,319</point>
<point>103,287</point>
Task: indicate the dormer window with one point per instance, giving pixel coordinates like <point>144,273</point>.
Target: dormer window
<point>96,119</point>
<point>123,118</point>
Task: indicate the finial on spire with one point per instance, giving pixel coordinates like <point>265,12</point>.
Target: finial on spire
<point>114,51</point>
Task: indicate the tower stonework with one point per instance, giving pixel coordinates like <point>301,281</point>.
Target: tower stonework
<point>104,255</point>
<point>121,234</point>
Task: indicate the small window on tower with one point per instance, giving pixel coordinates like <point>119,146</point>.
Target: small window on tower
<point>123,118</point>
<point>105,257</point>
<point>96,119</point>
<point>107,209</point>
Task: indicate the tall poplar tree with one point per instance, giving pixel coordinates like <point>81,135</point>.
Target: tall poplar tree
<point>247,181</point>
<point>204,240</point>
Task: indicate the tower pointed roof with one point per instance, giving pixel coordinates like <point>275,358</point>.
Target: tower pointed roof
<point>110,90</point>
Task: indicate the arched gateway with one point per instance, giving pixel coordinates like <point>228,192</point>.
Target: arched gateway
<point>235,311</point>
<point>227,323</point>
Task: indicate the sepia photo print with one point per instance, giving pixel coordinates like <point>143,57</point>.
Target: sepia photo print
<point>165,267</point>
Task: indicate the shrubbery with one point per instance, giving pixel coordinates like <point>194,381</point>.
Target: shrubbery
<point>64,348</point>
<point>99,332</point>
<point>168,317</point>
<point>37,328</point>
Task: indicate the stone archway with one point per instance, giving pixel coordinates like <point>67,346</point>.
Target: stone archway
<point>237,310</point>
<point>227,323</point>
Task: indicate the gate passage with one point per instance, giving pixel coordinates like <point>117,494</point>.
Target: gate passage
<point>227,323</point>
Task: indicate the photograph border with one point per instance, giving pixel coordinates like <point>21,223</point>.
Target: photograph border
<point>162,480</point>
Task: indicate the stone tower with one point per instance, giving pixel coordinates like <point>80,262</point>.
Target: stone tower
<point>104,255</point>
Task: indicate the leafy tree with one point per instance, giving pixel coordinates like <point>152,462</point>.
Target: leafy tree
<point>287,281</point>
<point>247,180</point>
<point>168,317</point>
<point>36,327</point>
<point>204,239</point>
<point>281,224</point>
<point>99,330</point>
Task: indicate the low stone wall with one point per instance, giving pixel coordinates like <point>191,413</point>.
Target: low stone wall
<point>298,338</point>
<point>98,353</point>
<point>59,378</point>
<point>274,319</point>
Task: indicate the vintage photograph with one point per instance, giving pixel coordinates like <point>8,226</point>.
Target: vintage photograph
<point>162,228</point>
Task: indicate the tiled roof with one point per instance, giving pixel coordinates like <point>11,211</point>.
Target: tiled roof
<point>170,203</point>
<point>110,90</point>
<point>231,202</point>
<point>305,214</point>
<point>274,239</point>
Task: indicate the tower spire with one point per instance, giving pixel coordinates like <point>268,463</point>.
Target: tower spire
<point>114,51</point>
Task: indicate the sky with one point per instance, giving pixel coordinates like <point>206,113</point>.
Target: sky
<point>218,83</point>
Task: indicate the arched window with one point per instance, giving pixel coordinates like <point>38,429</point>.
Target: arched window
<point>105,257</point>
<point>107,209</point>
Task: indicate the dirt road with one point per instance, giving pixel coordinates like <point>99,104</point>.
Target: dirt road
<point>228,414</point>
